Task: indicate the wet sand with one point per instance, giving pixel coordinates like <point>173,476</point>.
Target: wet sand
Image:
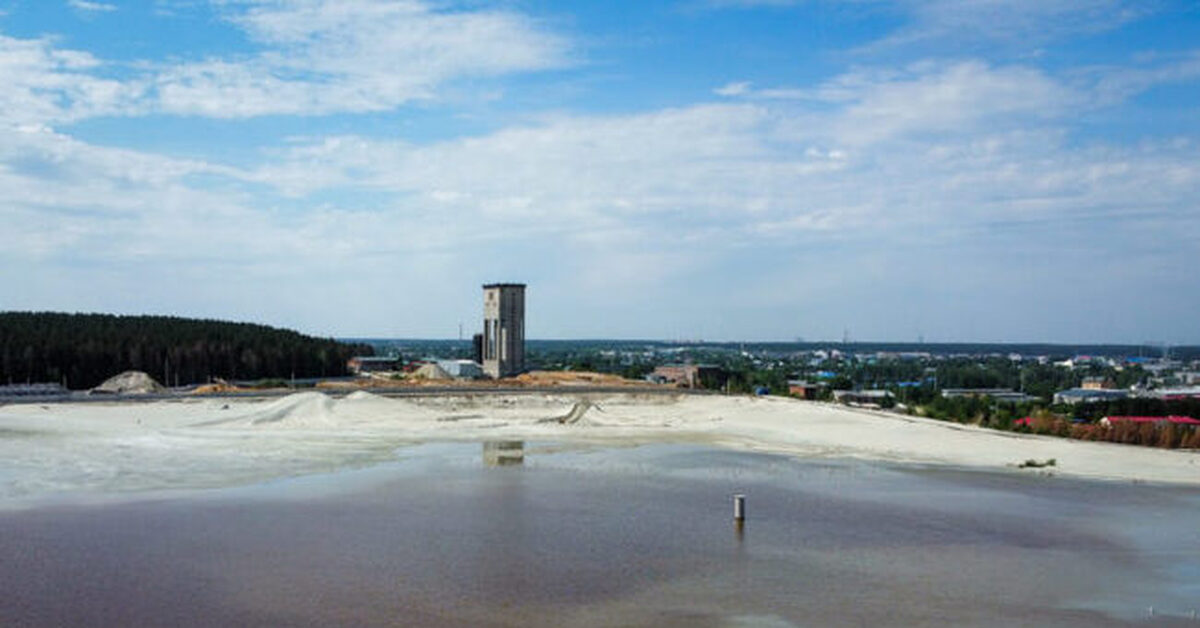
<point>568,536</point>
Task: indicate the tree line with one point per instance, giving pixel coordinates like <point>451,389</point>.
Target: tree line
<point>83,350</point>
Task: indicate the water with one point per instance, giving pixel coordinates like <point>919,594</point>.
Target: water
<point>560,536</point>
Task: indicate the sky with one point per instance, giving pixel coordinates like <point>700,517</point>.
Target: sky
<point>946,170</point>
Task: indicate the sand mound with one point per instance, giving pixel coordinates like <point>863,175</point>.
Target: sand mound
<point>129,383</point>
<point>431,371</point>
<point>300,409</point>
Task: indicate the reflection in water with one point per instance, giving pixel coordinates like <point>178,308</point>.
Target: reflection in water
<point>503,453</point>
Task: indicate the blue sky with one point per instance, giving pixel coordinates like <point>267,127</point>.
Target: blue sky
<point>966,170</point>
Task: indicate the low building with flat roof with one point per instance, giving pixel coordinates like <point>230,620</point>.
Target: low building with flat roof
<point>999,394</point>
<point>1085,395</point>
<point>372,364</point>
<point>690,375</point>
<point>870,398</point>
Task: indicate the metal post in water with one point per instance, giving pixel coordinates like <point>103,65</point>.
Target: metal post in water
<point>739,508</point>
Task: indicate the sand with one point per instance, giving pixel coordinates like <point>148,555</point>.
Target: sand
<point>116,448</point>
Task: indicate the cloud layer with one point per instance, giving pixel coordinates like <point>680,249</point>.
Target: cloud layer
<point>960,191</point>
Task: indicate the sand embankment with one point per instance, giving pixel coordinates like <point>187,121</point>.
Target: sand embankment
<point>215,442</point>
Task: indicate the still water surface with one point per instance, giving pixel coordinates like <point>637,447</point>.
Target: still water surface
<point>509,534</point>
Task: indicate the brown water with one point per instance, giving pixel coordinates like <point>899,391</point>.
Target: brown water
<point>616,537</point>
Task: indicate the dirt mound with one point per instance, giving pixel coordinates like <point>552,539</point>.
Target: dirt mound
<point>129,383</point>
<point>574,378</point>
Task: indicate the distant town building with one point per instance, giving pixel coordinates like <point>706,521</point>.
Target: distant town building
<point>503,329</point>
<point>690,375</point>
<point>1098,383</point>
<point>1169,394</point>
<point>372,364</point>
<point>868,398</point>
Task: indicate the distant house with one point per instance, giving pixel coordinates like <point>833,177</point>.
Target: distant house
<point>1109,421</point>
<point>690,375</point>
<point>372,364</point>
<point>804,389</point>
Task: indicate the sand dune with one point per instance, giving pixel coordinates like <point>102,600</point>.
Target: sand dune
<point>64,448</point>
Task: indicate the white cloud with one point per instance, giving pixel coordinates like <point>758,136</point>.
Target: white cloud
<point>315,57</point>
<point>927,97</point>
<point>738,88</point>
<point>747,4</point>
<point>93,7</point>
<point>1020,23</point>
<point>723,177</point>
<point>47,84</point>
<point>321,56</point>
<point>1114,84</point>
<point>938,98</point>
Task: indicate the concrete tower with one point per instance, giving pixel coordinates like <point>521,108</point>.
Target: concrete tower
<point>503,329</point>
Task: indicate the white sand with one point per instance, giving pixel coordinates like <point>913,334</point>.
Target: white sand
<point>87,448</point>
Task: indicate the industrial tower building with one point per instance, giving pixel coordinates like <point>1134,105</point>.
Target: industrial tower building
<point>503,329</point>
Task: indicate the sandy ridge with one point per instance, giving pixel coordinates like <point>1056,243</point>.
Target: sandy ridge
<point>213,442</point>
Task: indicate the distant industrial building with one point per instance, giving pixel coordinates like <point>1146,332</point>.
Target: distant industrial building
<point>477,348</point>
<point>372,364</point>
<point>461,369</point>
<point>503,329</point>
